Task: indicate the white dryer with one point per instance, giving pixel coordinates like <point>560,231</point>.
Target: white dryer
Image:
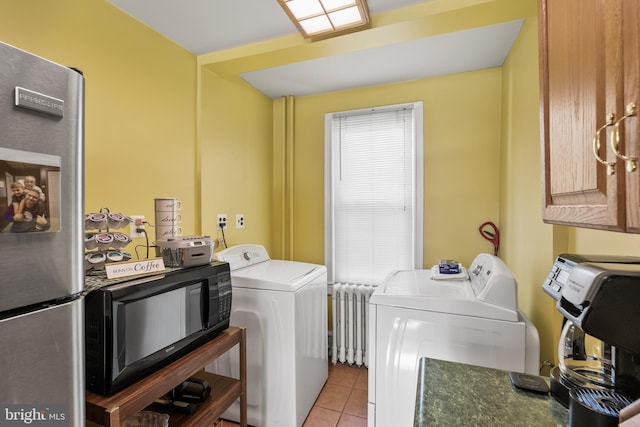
<point>283,306</point>
<point>416,313</point>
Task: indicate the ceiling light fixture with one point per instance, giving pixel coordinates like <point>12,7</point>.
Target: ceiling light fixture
<point>327,18</point>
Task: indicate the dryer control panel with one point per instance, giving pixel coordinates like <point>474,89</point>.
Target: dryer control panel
<point>242,256</point>
<point>493,283</point>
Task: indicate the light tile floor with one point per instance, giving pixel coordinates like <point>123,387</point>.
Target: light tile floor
<point>342,401</point>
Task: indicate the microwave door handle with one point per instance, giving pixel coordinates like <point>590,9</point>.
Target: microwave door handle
<point>204,304</point>
<point>120,337</point>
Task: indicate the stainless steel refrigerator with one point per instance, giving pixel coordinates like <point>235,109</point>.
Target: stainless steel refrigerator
<point>41,245</point>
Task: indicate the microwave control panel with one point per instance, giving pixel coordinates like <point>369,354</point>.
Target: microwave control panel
<point>223,283</point>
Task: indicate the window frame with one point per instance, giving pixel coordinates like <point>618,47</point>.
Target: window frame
<point>418,182</point>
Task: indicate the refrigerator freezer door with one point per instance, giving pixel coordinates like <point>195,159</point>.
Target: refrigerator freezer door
<point>38,265</point>
<point>43,365</point>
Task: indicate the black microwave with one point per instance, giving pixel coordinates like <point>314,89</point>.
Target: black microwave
<point>134,327</point>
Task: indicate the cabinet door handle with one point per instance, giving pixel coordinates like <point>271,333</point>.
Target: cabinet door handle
<point>630,162</point>
<point>596,145</point>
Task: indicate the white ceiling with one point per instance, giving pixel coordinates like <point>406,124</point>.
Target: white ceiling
<point>206,26</point>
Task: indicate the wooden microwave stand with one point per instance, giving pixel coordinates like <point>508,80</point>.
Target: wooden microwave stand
<point>110,411</point>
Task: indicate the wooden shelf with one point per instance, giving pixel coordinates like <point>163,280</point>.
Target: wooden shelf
<point>224,391</point>
<point>110,411</point>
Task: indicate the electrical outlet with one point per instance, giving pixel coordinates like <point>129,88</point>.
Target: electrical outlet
<point>239,220</point>
<point>136,224</point>
<point>222,221</point>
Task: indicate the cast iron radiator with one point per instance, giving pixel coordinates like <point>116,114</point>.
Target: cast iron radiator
<point>350,317</point>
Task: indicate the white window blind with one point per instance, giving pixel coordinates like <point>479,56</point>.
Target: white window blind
<point>375,209</point>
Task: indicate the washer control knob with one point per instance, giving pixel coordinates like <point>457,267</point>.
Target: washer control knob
<point>246,256</point>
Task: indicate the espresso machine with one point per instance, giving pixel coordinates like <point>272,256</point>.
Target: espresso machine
<point>599,349</point>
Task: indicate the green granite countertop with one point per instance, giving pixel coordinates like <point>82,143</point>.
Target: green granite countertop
<point>456,394</point>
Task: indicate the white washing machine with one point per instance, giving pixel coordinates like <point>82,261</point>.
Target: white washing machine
<point>283,306</point>
<point>471,319</point>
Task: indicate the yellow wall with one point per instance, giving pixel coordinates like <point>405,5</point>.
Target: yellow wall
<point>530,246</point>
<point>148,101</point>
<point>235,159</point>
<point>461,160</point>
<point>482,145</point>
<point>140,94</point>
<point>527,242</point>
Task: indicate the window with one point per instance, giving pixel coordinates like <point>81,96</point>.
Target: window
<point>373,192</point>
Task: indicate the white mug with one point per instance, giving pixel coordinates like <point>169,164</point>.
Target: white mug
<point>164,232</point>
<point>114,220</point>
<point>168,218</point>
<point>104,240</point>
<point>96,260</point>
<point>168,205</point>
<point>90,241</point>
<point>98,221</point>
<point>120,240</point>
<point>114,256</point>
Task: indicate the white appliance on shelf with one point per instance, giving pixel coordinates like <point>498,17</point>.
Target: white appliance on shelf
<point>419,313</point>
<point>283,306</point>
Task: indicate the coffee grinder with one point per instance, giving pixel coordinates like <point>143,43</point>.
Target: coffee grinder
<point>599,348</point>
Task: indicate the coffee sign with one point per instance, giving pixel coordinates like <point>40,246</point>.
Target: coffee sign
<point>126,269</point>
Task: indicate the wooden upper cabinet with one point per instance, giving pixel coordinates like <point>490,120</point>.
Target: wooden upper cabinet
<point>630,130</point>
<point>588,75</point>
